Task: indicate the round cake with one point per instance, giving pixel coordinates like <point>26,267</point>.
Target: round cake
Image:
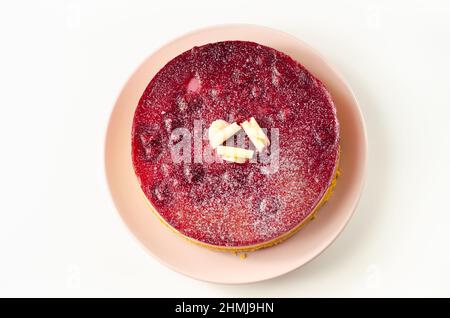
<point>284,145</point>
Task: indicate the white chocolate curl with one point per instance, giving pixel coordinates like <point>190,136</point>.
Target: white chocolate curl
<point>255,134</point>
<point>234,154</point>
<point>220,131</point>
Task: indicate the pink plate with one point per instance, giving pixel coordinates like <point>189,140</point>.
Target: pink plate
<point>221,267</point>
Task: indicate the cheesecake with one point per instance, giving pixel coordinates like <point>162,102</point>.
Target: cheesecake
<point>235,145</point>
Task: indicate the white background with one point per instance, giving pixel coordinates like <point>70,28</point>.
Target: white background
<point>62,66</point>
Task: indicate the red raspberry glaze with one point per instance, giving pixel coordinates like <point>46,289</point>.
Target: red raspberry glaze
<point>236,205</point>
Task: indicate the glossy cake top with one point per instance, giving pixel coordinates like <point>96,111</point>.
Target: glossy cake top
<point>235,204</point>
